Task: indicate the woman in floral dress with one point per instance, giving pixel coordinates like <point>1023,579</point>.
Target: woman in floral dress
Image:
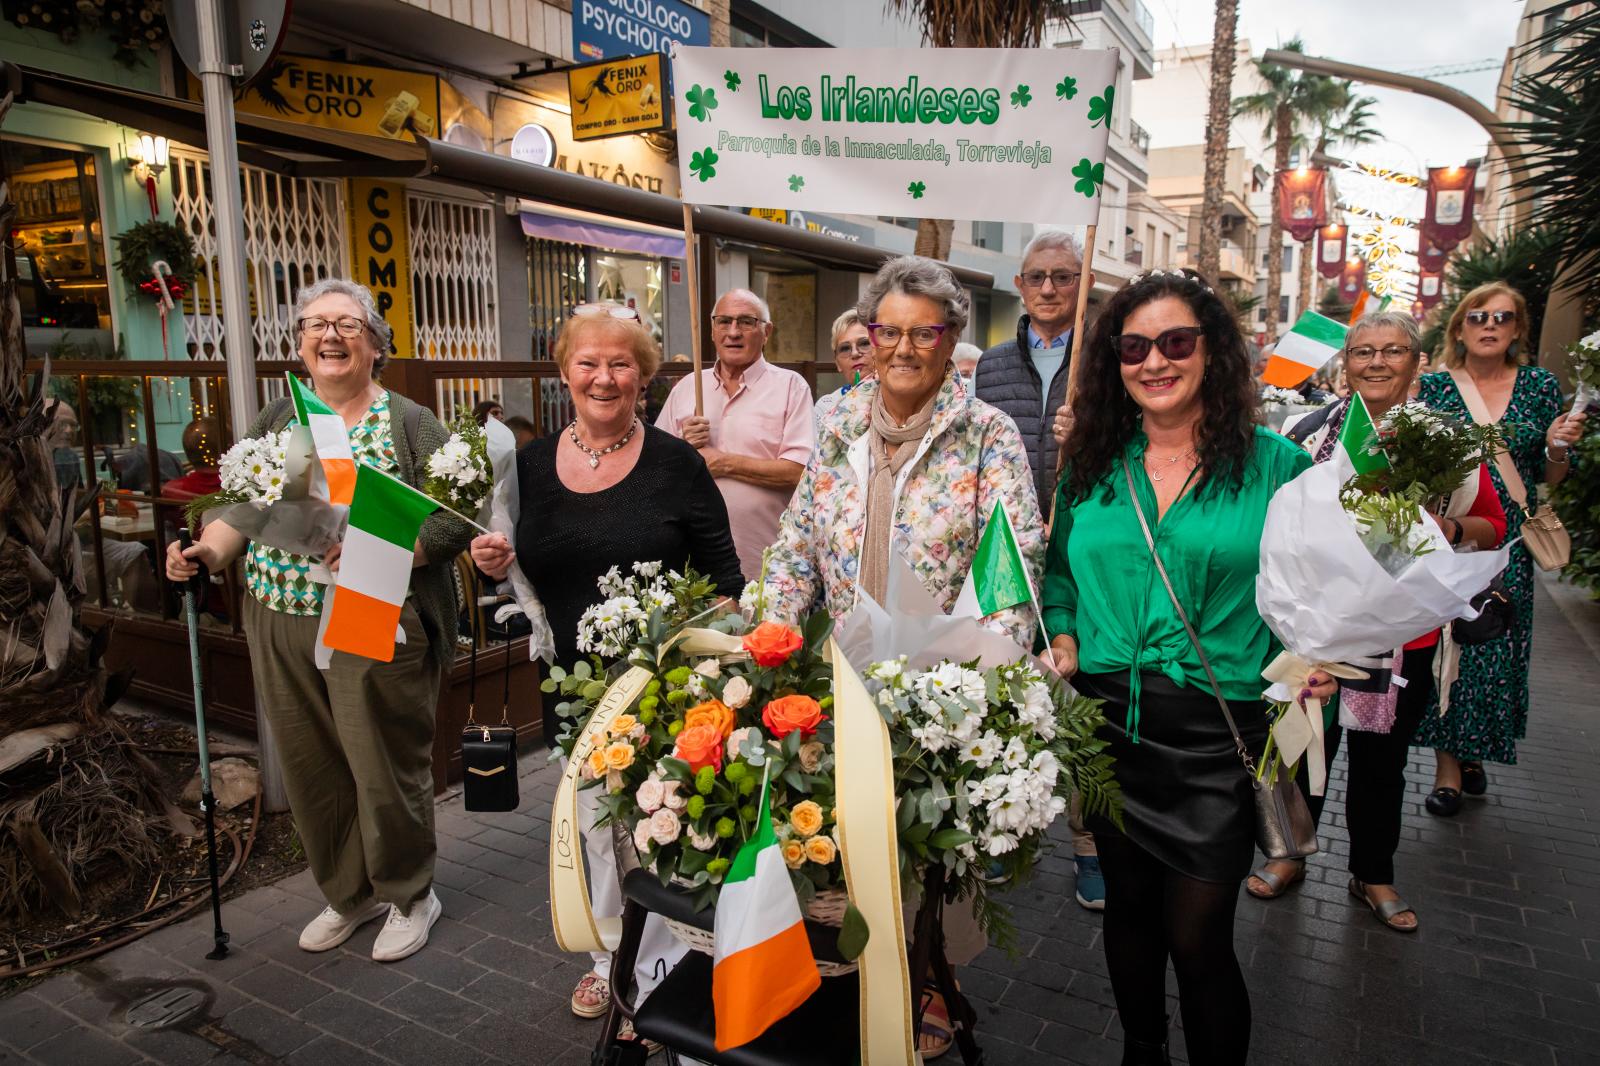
<point>1488,708</point>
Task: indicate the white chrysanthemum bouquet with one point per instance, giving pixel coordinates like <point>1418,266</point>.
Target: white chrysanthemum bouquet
<point>459,472</point>
<point>266,495</point>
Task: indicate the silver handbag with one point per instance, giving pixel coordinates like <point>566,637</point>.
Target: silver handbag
<point>1284,829</point>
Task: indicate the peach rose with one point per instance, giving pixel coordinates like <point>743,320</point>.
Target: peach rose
<point>771,644</point>
<point>621,725</point>
<point>806,817</point>
<point>787,713</point>
<point>619,756</point>
<point>699,746</point>
<point>714,713</point>
<point>597,762</point>
<point>794,854</point>
<point>820,850</point>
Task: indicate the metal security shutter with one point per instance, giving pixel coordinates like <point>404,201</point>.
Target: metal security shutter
<point>453,291</point>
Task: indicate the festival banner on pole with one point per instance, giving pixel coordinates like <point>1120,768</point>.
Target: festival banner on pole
<point>1448,213</point>
<point>1331,242</point>
<point>1302,201</point>
<point>1002,134</point>
<point>1352,279</point>
<point>1430,288</point>
<point>1431,252</point>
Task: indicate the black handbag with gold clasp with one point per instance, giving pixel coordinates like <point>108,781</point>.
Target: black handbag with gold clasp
<point>488,753</point>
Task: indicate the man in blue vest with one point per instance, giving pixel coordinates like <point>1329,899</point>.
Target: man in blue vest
<point>1027,379</point>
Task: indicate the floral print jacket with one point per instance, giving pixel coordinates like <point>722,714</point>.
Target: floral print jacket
<point>971,459</point>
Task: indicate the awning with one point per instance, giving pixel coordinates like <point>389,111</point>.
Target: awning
<point>283,146</point>
<point>583,227</point>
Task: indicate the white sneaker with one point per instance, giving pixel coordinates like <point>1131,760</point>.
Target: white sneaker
<point>330,928</point>
<point>406,931</point>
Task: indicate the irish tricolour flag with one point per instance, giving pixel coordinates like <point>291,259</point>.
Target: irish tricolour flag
<point>764,967</point>
<point>375,566</point>
<point>1312,342</point>
<point>331,439</point>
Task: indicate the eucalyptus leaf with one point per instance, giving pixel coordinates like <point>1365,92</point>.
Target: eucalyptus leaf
<point>853,933</point>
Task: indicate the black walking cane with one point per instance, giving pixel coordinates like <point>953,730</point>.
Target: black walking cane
<point>192,589</point>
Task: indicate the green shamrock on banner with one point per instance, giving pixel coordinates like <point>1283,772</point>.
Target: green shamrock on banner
<point>732,78</point>
<point>702,101</point>
<point>1021,96</point>
<point>796,183</point>
<point>1100,107</point>
<point>1066,88</point>
<point>1090,177</point>
<point>916,189</point>
<point>703,165</point>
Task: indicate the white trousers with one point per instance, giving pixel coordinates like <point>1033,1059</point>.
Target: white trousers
<point>659,950</point>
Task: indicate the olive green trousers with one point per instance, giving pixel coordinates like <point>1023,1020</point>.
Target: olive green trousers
<point>355,743</point>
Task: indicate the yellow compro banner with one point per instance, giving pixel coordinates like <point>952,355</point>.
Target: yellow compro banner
<point>380,255</point>
<point>353,97</point>
<point>618,96</point>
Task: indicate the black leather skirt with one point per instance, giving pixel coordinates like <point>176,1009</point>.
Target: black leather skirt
<point>1185,796</point>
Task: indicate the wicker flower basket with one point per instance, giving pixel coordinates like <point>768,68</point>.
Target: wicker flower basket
<point>826,908</point>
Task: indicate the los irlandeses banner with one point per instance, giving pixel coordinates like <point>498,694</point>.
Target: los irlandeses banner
<point>1002,134</point>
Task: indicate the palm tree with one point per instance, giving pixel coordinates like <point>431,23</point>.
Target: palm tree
<point>970,24</point>
<point>1290,100</point>
<point>1223,34</point>
<point>1346,123</point>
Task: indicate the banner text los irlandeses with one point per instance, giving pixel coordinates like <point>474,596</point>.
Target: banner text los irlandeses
<point>849,102</point>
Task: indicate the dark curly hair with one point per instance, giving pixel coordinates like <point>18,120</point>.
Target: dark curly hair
<point>1105,417</point>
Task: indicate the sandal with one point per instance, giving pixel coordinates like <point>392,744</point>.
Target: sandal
<point>625,1032</point>
<point>1276,884</point>
<point>1474,782</point>
<point>592,997</point>
<point>936,1034</point>
<point>1386,911</point>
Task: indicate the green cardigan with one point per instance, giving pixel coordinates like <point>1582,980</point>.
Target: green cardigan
<point>443,536</point>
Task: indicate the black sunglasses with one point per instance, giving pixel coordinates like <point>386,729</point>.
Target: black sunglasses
<point>1176,344</point>
<point>1500,318</point>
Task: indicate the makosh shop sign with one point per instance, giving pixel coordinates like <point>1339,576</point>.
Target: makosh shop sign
<point>606,29</point>
<point>1005,134</point>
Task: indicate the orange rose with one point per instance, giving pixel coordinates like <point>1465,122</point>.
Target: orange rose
<point>787,713</point>
<point>820,850</point>
<point>771,644</point>
<point>713,713</point>
<point>699,745</point>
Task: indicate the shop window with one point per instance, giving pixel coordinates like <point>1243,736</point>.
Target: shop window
<point>61,252</point>
<point>793,299</point>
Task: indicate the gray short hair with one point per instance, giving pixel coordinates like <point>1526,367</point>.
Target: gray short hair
<point>912,275</point>
<point>382,334</point>
<point>1399,320</point>
<point>766,311</point>
<point>1046,239</point>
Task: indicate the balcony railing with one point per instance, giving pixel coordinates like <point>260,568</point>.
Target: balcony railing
<point>1142,16</point>
<point>1139,136</point>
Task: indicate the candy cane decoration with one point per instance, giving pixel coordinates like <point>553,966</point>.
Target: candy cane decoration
<point>162,271</point>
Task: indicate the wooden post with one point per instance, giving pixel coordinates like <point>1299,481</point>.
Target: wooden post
<point>691,274</point>
<point>1077,318</point>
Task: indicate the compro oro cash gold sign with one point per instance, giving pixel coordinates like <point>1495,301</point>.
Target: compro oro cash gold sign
<point>618,96</point>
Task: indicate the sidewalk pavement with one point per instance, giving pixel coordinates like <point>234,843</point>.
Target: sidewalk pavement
<point>1505,968</point>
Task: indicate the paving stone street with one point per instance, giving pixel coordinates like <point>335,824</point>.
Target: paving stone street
<point>1505,967</point>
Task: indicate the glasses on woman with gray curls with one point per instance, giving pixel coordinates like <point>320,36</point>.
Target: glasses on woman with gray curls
<point>347,327</point>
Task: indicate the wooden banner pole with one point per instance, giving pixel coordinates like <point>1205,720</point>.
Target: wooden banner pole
<point>1077,318</point>
<point>691,268</point>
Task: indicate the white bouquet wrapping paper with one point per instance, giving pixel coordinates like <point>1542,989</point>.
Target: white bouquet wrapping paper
<point>500,512</point>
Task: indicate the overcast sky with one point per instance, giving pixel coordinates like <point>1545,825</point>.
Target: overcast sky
<point>1400,35</point>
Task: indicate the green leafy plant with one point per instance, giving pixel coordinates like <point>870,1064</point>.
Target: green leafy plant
<point>1577,498</point>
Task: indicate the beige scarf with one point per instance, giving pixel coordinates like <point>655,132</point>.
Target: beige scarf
<point>884,469</point>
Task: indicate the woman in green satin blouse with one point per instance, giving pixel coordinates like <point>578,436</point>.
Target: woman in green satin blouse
<point>1165,401</point>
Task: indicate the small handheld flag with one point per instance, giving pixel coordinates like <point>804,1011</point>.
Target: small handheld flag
<point>763,965</point>
<point>999,577</point>
<point>1359,437</point>
<point>332,440</point>
<point>386,515</point>
<point>1313,341</point>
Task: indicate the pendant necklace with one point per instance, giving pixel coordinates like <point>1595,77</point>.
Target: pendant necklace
<point>593,454</point>
<point>1148,469</point>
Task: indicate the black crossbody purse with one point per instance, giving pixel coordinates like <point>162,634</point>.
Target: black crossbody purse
<point>488,753</point>
<point>1284,829</point>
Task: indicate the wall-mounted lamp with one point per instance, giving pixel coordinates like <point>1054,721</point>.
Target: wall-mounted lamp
<point>148,157</point>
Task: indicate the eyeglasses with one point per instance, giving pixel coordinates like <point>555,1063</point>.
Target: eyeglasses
<point>862,345</point>
<point>347,327</point>
<point>622,311</point>
<point>1499,318</point>
<point>1177,344</point>
<point>1061,279</point>
<point>923,338</point>
<point>1366,353</point>
<point>746,322</point>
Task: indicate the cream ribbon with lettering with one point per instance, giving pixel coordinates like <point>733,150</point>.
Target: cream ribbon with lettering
<point>576,927</point>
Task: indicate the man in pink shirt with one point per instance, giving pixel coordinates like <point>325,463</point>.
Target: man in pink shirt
<point>756,434</point>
